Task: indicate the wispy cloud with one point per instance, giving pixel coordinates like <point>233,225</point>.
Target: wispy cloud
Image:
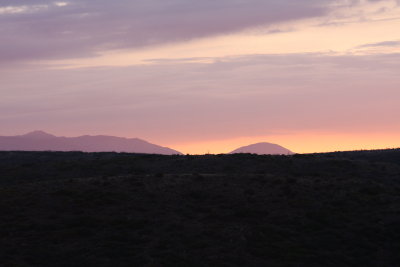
<point>60,4</point>
<point>381,44</point>
<point>44,29</point>
<point>225,97</point>
<point>23,9</point>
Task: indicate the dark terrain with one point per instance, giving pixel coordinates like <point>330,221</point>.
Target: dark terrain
<point>115,209</point>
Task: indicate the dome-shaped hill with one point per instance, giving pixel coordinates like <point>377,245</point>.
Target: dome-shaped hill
<point>263,149</point>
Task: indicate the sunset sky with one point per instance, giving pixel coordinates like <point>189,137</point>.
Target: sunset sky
<point>204,76</point>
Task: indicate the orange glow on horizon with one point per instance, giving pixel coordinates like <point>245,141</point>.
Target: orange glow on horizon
<point>298,143</point>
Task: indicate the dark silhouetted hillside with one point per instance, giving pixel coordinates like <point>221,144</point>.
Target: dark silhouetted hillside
<point>118,209</point>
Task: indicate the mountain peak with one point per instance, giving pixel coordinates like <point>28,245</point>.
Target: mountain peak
<point>38,134</point>
<point>263,149</point>
<point>42,141</point>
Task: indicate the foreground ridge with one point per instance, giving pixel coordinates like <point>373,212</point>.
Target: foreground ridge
<point>120,209</point>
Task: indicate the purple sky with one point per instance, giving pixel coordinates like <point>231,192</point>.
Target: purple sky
<point>43,29</point>
<point>181,72</point>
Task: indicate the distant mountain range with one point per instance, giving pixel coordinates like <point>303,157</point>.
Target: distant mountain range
<point>42,141</point>
<point>263,149</point>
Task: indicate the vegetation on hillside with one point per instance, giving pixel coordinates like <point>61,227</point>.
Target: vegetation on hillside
<point>113,209</point>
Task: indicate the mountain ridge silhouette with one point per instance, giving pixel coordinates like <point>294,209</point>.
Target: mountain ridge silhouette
<point>39,140</point>
<point>42,141</point>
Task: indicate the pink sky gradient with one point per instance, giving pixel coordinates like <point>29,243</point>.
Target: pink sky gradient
<point>202,76</point>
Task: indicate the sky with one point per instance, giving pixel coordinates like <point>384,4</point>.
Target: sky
<point>204,76</point>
